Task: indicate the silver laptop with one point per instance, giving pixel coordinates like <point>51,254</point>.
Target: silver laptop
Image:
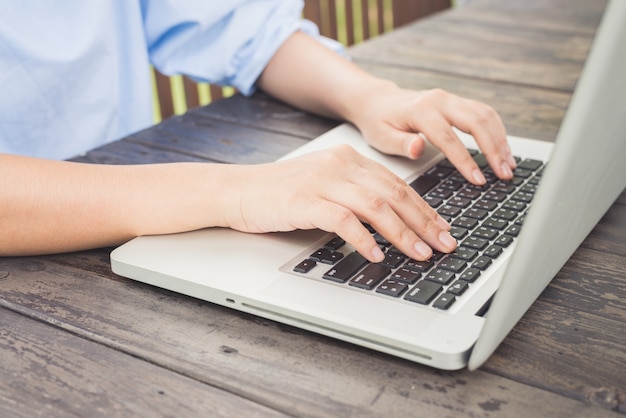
<point>444,313</point>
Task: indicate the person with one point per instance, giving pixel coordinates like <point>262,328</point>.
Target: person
<point>74,77</point>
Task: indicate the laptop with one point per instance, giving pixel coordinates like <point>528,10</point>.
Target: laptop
<point>453,311</point>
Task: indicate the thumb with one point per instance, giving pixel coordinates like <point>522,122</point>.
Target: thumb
<point>395,142</point>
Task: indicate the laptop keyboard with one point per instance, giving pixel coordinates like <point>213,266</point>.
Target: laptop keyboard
<point>485,221</point>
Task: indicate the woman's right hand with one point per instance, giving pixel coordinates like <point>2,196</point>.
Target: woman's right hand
<point>336,190</point>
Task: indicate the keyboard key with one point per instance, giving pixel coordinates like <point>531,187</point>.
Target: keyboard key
<point>464,253</point>
<point>381,240</point>
<point>451,184</point>
<point>418,265</point>
<point>305,266</point>
<point>423,184</point>
<point>486,233</point>
<point>464,222</point>
<point>335,244</point>
<point>504,240</point>
<point>504,186</point>
<point>488,205</point>
<point>444,301</point>
<point>458,233</point>
<point>440,171</point>
<point>458,288</point>
<point>479,214</point>
<point>406,275</point>
<point>529,164</point>
<point>393,259</point>
<point>441,276</point>
<point>523,197</point>
<point>493,251</point>
<point>452,264</point>
<point>482,262</point>
<point>522,172</point>
<point>370,276</point>
<point>324,255</point>
<point>475,243</point>
<point>346,268</point>
<point>392,287</point>
<point>469,193</point>
<point>515,205</point>
<point>461,202</point>
<point>505,214</point>
<point>513,230</point>
<point>441,193</point>
<point>494,223</point>
<point>481,160</point>
<point>423,292</point>
<point>434,202</point>
<point>495,196</point>
<point>448,210</point>
<point>470,275</point>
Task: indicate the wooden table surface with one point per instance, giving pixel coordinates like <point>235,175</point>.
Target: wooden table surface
<point>77,340</point>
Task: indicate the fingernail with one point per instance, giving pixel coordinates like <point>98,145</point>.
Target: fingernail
<point>478,177</point>
<point>377,254</point>
<point>506,170</point>
<point>423,250</point>
<point>443,223</point>
<point>447,240</point>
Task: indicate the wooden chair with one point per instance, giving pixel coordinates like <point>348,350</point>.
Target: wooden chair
<point>349,21</point>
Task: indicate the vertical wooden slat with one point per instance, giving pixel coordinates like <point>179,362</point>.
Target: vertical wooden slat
<point>408,11</point>
<point>332,18</point>
<point>164,93</point>
<point>365,19</point>
<point>192,98</point>
<point>349,22</point>
<point>216,92</point>
<point>312,11</point>
<point>380,16</point>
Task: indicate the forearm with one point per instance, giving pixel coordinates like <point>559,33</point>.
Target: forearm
<point>306,74</point>
<point>51,206</point>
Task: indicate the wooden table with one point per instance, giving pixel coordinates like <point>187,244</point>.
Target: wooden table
<point>77,340</point>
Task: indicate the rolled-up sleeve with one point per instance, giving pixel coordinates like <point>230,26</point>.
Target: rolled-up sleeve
<point>222,42</point>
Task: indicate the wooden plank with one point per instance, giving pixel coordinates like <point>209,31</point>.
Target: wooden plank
<point>566,16</point>
<point>129,152</point>
<point>47,372</point>
<point>547,353</point>
<point>263,112</point>
<point>287,369</point>
<point>216,140</point>
<point>454,43</point>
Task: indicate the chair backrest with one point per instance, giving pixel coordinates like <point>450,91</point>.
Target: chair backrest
<point>348,21</point>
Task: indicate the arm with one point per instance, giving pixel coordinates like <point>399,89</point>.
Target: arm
<point>53,206</point>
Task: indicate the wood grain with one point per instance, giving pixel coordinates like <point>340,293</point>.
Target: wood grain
<point>284,368</point>
<point>49,372</point>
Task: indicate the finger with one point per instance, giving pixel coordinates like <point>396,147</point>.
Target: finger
<point>333,217</point>
<point>418,216</point>
<point>485,125</point>
<point>439,132</point>
<point>396,211</point>
<point>401,142</point>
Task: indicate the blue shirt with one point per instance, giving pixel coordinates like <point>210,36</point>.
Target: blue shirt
<point>74,74</point>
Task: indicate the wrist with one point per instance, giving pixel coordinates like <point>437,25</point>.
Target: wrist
<point>359,105</point>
